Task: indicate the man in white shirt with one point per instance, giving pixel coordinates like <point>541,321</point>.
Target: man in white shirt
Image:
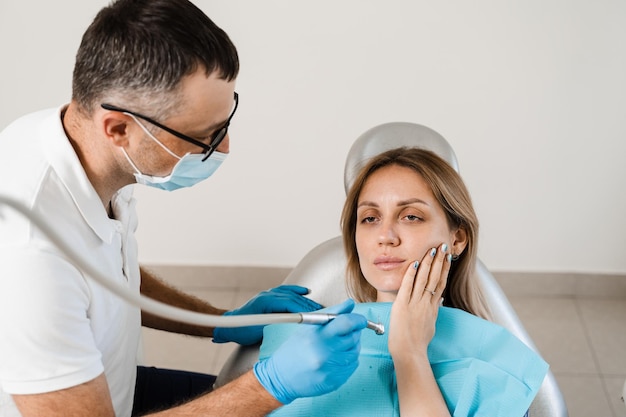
<point>146,71</point>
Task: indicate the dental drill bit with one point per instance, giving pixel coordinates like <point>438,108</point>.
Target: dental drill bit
<point>323,318</point>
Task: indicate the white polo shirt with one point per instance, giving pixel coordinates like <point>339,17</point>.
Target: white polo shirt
<point>58,328</point>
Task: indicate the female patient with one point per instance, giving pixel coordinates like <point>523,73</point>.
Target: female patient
<point>410,235</point>
<point>404,204</point>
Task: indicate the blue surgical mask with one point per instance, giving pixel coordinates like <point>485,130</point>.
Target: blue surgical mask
<point>190,169</point>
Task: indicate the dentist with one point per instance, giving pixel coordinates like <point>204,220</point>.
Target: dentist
<point>152,99</point>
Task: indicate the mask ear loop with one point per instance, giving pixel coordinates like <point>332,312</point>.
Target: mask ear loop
<point>131,162</point>
<point>145,129</point>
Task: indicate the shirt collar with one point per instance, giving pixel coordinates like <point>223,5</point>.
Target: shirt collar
<point>68,167</point>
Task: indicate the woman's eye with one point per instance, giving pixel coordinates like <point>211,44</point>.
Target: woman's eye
<point>413,218</point>
<point>368,219</point>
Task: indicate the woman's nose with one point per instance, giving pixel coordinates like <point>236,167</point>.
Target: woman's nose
<point>388,235</point>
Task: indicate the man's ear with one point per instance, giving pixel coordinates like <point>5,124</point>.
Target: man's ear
<point>459,241</point>
<point>115,126</point>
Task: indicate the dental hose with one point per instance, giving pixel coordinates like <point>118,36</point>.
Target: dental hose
<point>165,310</point>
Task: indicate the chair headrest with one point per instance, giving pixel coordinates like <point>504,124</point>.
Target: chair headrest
<point>388,136</point>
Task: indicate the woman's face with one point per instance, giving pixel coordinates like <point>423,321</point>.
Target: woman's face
<point>398,221</point>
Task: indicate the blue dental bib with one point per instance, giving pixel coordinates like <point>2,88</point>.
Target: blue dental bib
<point>480,367</point>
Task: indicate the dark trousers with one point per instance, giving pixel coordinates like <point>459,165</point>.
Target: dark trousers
<point>159,389</point>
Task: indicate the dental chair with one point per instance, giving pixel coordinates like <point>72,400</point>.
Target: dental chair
<point>322,270</point>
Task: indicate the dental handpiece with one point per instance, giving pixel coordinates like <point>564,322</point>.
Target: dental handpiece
<point>323,318</point>
<point>159,308</point>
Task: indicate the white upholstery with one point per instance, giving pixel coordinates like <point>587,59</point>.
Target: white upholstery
<point>322,270</point>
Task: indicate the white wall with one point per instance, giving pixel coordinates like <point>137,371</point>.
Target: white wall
<point>531,94</point>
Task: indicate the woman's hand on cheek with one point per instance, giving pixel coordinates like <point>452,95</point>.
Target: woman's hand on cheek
<point>414,312</point>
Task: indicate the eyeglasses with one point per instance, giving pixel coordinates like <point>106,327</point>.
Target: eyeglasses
<point>217,138</point>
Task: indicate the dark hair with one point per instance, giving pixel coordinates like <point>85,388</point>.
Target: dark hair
<point>143,48</point>
<point>463,290</point>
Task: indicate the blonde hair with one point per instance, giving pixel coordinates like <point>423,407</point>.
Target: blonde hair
<point>463,290</point>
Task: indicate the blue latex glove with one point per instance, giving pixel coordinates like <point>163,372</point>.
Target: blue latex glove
<point>316,359</point>
<point>283,299</point>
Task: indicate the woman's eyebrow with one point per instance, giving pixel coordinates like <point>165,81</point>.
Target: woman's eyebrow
<point>367,203</point>
<point>400,203</point>
<point>412,201</point>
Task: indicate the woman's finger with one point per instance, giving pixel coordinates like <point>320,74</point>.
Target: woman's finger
<point>420,289</point>
<point>406,286</point>
<point>438,273</point>
<point>443,280</point>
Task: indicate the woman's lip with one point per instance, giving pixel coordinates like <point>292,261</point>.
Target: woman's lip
<point>387,259</point>
<point>388,262</point>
